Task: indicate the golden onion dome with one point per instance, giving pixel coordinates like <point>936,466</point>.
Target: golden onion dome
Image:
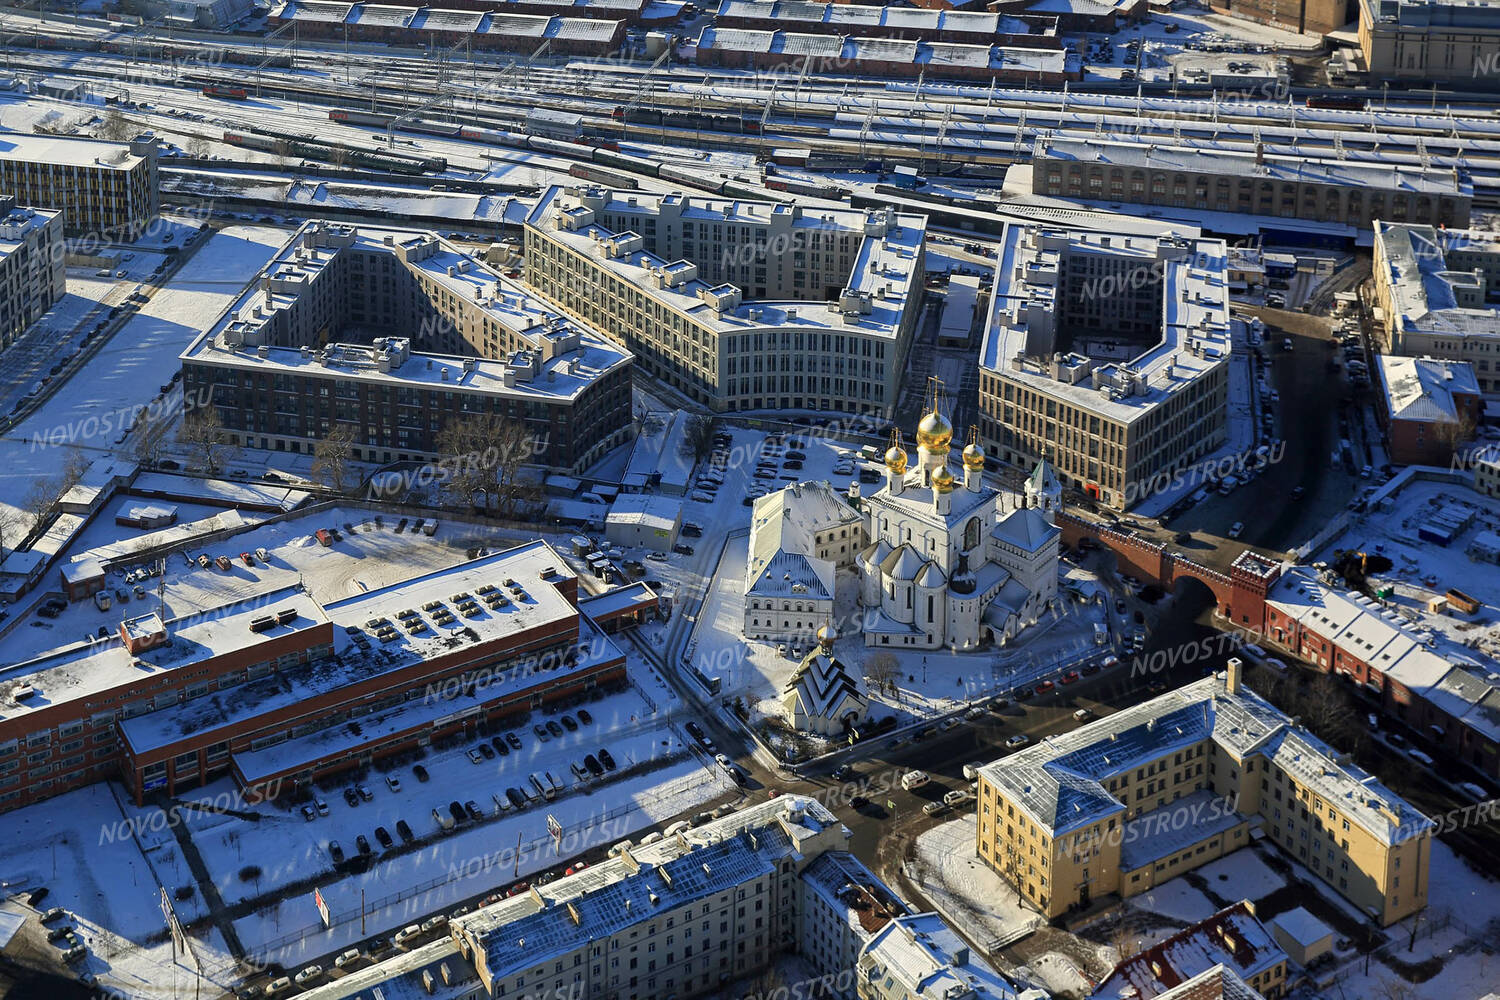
<point>895,459</point>
<point>942,480</point>
<point>974,457</point>
<point>935,433</point>
<point>826,636</point>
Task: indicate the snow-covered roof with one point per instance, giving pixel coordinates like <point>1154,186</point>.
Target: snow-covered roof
<point>1430,275</point>
<point>1232,938</point>
<point>1059,782</point>
<point>1031,271</point>
<point>1423,389</point>
<point>562,359</point>
<point>929,959</point>
<point>1302,927</point>
<point>825,687</point>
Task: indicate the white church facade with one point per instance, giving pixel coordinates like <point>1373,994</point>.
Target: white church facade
<point>947,565</point>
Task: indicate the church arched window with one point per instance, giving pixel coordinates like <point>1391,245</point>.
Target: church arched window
<point>971,533</point>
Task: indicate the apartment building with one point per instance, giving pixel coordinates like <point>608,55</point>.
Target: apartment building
<point>458,340</point>
<point>684,917</point>
<point>1438,294</point>
<point>1440,41</point>
<point>1353,193</point>
<point>1312,17</point>
<point>1142,796</point>
<point>738,305</point>
<point>107,189</point>
<point>32,266</point>
<point>257,689</point>
<point>918,955</point>
<point>1107,354</point>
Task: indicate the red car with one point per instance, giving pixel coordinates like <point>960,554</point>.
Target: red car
<point>1070,677</point>
<point>518,888</point>
<point>1045,686</point>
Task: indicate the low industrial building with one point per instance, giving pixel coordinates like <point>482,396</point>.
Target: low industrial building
<point>33,272</point>
<point>260,689</point>
<point>1430,408</point>
<point>460,341</point>
<point>977,27</point>
<point>487,29</point>
<point>1445,692</point>
<point>740,305</point>
<point>1349,192</point>
<point>884,57</point>
<point>108,190</point>
<point>1302,936</point>
<point>1107,354</point>
<point>1121,805</point>
<point>643,520</point>
<point>1433,41</point>
<point>1438,295</point>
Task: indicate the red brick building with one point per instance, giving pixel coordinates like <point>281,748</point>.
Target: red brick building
<point>1429,406</point>
<point>267,689</point>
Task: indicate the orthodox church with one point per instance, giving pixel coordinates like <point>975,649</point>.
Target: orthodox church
<point>947,565</point>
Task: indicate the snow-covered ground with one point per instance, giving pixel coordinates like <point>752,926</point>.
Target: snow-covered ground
<point>1422,569</point>
<point>966,891</point>
<point>127,371</point>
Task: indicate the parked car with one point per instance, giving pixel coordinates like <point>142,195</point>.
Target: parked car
<point>351,796</point>
<point>541,732</point>
<point>363,843</point>
<point>1017,741</point>
<point>420,772</point>
<point>335,851</point>
<point>554,728</point>
<point>607,759</point>
<point>584,717</point>
<point>513,740</point>
<point>403,830</point>
<point>393,783</point>
<point>569,723</point>
<point>487,750</point>
<point>364,792</point>
<point>383,837</point>
<point>472,809</point>
<point>307,975</point>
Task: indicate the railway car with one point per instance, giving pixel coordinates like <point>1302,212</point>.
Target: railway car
<point>360,117</point>
<point>570,150</point>
<point>636,164</point>
<point>702,182</point>
<point>612,178</point>
<point>1337,103</point>
<point>228,93</point>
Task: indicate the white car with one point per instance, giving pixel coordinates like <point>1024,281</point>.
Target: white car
<point>347,959</point>
<point>722,760</point>
<point>1017,741</point>
<point>307,975</point>
<point>393,783</point>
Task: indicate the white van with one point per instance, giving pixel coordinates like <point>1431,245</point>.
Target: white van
<point>914,779</point>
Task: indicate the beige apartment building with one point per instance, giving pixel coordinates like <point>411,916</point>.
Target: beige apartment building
<point>32,269</point>
<point>1146,794</point>
<point>1438,291</point>
<point>738,305</point>
<point>1348,192</point>
<point>1106,354</point>
<point>1443,41</point>
<point>105,189</point>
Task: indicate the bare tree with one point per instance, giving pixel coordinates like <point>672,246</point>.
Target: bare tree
<point>1012,862</point>
<point>484,453</point>
<point>204,432</point>
<point>883,670</point>
<point>198,148</point>
<point>698,437</point>
<point>40,502</point>
<point>75,464</point>
<point>10,524</point>
<point>151,439</point>
<point>115,126</point>
<point>331,456</point>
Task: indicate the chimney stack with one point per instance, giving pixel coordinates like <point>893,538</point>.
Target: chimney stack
<point>1232,675</point>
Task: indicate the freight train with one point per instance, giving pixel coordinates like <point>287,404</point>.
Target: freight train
<point>309,148</point>
<point>742,123</point>
<point>229,93</point>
